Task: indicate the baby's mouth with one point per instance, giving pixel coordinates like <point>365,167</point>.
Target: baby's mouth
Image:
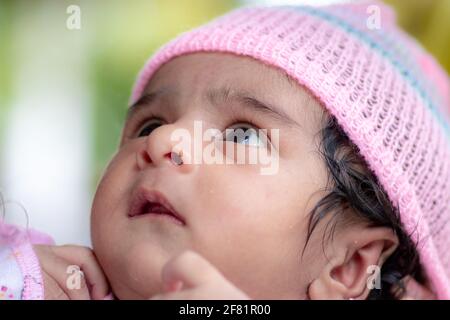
<point>151,202</point>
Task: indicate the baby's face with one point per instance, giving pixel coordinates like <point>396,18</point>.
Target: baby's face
<point>251,226</point>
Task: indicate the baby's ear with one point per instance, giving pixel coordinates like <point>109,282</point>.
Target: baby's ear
<point>354,263</point>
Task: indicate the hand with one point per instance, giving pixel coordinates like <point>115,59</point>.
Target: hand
<point>416,291</point>
<point>190,277</point>
<point>55,264</point>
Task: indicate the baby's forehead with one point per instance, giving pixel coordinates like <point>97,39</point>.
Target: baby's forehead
<point>215,68</point>
<point>202,73</point>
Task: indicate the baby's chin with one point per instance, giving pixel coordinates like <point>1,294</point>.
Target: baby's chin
<point>136,272</point>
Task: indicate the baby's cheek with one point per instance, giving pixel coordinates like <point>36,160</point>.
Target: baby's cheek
<point>109,193</point>
<point>138,271</point>
<point>117,178</point>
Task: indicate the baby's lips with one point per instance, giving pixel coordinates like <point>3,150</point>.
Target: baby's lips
<point>144,197</point>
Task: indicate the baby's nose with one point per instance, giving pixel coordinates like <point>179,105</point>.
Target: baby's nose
<point>159,149</point>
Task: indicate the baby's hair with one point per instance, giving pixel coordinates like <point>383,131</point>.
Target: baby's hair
<point>353,191</point>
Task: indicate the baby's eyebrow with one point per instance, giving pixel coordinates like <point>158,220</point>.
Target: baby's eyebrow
<point>219,98</point>
<point>146,100</point>
<point>223,95</point>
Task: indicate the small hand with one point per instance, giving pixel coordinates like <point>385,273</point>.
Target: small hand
<point>56,262</point>
<point>416,291</point>
<point>189,276</point>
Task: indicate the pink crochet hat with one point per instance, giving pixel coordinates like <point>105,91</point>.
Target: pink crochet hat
<point>389,95</point>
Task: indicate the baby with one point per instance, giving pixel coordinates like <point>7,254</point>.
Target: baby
<point>353,124</point>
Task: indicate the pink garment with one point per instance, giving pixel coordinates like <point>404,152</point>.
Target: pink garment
<point>388,94</point>
<point>20,272</point>
<point>21,276</point>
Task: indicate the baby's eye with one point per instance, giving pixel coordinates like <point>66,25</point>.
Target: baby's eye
<point>244,134</point>
<point>149,126</point>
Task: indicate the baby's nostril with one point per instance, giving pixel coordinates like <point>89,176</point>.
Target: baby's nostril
<point>176,158</point>
<point>146,156</point>
<point>143,159</point>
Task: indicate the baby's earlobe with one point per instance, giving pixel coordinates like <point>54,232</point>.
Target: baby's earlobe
<point>325,287</point>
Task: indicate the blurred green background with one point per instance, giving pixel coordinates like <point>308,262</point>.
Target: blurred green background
<point>95,67</point>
